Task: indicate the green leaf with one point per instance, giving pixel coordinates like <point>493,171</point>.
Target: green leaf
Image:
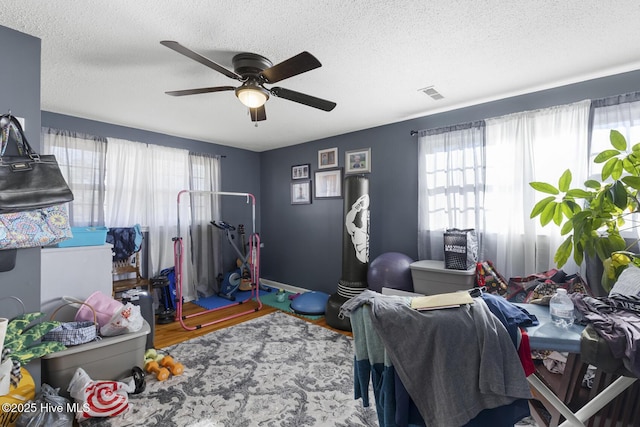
<point>628,165</point>
<point>605,246</point>
<point>563,252</point>
<point>557,214</point>
<point>539,207</point>
<point>568,208</point>
<point>620,196</point>
<point>618,167</point>
<point>602,249</point>
<point>603,197</point>
<point>578,253</point>
<point>579,194</point>
<point>574,206</point>
<point>543,187</point>
<point>632,181</point>
<point>605,155</point>
<point>566,228</point>
<point>581,224</point>
<point>565,181</point>
<point>636,147</point>
<point>608,167</point>
<point>592,183</point>
<point>547,213</point>
<point>618,141</point>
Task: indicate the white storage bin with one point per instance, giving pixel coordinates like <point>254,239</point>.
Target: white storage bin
<point>430,277</point>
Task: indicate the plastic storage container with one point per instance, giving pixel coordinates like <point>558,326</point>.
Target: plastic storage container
<point>561,309</point>
<point>86,236</point>
<point>431,277</point>
<point>110,358</point>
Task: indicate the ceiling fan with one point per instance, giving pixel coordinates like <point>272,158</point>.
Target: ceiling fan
<point>254,71</point>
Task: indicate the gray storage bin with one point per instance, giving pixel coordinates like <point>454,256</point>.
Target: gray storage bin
<point>110,358</point>
<point>430,277</point>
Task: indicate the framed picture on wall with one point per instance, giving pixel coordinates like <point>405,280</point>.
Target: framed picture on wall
<point>301,193</point>
<point>328,158</point>
<point>300,171</point>
<point>358,161</point>
<point>328,184</point>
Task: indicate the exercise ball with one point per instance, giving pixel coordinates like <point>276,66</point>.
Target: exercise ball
<point>311,303</point>
<point>390,270</point>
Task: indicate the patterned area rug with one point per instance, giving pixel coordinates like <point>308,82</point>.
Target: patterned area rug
<point>276,370</point>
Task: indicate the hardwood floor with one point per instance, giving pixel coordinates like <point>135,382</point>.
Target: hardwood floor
<point>174,333</point>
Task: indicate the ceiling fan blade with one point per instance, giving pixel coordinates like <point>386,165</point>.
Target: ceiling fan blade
<point>201,59</point>
<point>301,98</point>
<point>301,63</point>
<point>200,90</point>
<point>258,114</point>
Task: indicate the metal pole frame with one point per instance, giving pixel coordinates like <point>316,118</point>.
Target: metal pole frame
<point>254,248</point>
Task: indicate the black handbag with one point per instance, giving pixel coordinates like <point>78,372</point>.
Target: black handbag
<point>29,180</point>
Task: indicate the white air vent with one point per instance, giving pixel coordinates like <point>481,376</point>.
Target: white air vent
<point>434,94</point>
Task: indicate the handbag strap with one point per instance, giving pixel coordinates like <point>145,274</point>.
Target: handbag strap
<point>5,121</point>
<point>8,123</point>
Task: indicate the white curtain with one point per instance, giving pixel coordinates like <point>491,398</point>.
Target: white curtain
<point>521,148</point>
<point>82,161</point>
<point>143,182</point>
<point>125,181</point>
<point>205,248</point>
<point>451,185</point>
<point>621,113</point>
<point>618,112</point>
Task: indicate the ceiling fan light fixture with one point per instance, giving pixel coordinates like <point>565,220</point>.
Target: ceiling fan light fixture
<point>252,96</point>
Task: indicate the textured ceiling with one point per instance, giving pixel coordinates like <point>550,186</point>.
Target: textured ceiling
<point>102,60</point>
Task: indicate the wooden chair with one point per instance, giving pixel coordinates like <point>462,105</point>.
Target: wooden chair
<point>126,275</point>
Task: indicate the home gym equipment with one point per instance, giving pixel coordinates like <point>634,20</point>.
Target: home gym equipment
<point>231,280</point>
<point>390,270</point>
<point>355,249</point>
<point>253,265</point>
<point>174,367</point>
<point>310,303</point>
<point>153,368</point>
<point>166,314</point>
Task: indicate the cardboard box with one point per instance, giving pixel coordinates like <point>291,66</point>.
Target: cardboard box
<point>430,277</point>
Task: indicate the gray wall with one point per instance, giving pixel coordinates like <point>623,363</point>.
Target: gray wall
<point>303,242</point>
<point>20,77</point>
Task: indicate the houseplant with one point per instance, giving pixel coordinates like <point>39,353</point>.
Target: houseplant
<point>594,217</point>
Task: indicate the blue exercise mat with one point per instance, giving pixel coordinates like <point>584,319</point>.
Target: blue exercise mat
<point>215,301</point>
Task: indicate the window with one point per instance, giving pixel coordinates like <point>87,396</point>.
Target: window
<point>82,161</point>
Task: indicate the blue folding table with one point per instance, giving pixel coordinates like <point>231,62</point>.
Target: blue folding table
<point>547,336</point>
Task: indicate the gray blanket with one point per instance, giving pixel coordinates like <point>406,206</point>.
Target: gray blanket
<point>453,362</point>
